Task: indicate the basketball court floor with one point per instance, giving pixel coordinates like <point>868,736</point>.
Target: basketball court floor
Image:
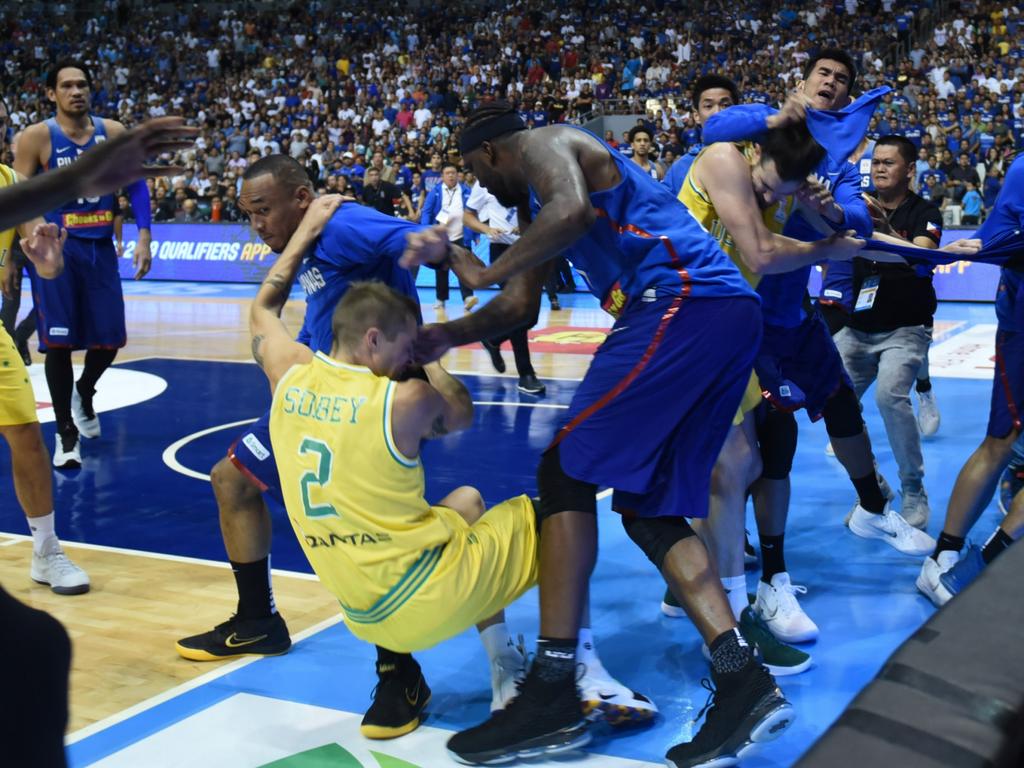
<point>140,517</point>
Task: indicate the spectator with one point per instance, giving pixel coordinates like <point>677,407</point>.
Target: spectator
<point>972,205</point>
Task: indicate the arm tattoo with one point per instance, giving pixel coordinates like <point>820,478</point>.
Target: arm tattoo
<point>438,428</point>
<point>256,341</point>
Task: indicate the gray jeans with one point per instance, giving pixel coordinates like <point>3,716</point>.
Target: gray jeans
<point>892,359</point>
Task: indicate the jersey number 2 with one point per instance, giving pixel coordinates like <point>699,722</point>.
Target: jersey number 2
<point>320,477</point>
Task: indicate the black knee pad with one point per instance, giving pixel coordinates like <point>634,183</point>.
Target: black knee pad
<point>776,434</point>
<point>842,414</point>
<point>558,491</point>
<point>656,535</point>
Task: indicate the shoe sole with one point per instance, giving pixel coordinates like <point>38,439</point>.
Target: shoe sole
<point>932,594</point>
<point>616,714</point>
<point>198,654</point>
<point>533,392</point>
<point>81,589</point>
<point>767,729</point>
<point>801,637</point>
<point>385,732</point>
<point>672,611</point>
<point>69,464</point>
<point>574,738</point>
<point>866,532</point>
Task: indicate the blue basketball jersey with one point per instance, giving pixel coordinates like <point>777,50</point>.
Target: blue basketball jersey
<point>87,217</point>
<point>644,239</point>
<point>358,243</point>
<point>1008,216</point>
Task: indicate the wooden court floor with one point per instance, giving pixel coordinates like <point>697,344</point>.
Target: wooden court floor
<point>123,631</point>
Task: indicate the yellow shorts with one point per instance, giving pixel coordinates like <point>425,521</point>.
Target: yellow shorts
<point>17,401</point>
<point>751,399</point>
<point>483,568</point>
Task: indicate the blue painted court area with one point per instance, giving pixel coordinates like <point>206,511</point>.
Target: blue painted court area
<point>861,593</point>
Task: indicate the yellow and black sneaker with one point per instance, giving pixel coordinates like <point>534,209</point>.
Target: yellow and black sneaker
<point>399,699</point>
<point>238,637</point>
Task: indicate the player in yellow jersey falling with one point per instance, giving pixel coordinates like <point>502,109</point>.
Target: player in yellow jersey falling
<point>743,194</point>
<point>19,425</point>
<point>346,438</point>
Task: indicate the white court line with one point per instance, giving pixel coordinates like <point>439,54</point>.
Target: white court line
<point>170,457</point>
<point>519,405</point>
<point>13,541</point>
<point>160,698</point>
<point>156,556</point>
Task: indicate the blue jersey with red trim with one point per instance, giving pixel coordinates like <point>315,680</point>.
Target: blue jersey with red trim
<point>88,217</point>
<point>644,239</point>
<point>1008,216</point>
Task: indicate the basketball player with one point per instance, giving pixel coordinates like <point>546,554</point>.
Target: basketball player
<point>357,244</point>
<point>84,307</point>
<point>798,365</point>
<point>742,194</point>
<point>641,142</point>
<point>662,275</point>
<point>30,464</point>
<point>711,94</point>
<point>945,574</point>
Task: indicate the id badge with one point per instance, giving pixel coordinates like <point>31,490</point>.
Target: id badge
<point>442,217</point>
<point>868,292</point>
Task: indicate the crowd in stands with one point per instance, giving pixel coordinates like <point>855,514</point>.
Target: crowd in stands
<point>346,88</point>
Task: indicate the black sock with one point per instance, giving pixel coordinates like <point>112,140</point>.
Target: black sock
<point>255,596</point>
<point>947,543</point>
<point>729,653</point>
<point>999,541</point>
<point>923,385</point>
<point>389,661</point>
<point>870,493</point>
<point>60,378</point>
<point>773,557</point>
<point>555,662</point>
<point>96,362</point>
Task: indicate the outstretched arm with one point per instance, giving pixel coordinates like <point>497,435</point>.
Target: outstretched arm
<point>272,345</point>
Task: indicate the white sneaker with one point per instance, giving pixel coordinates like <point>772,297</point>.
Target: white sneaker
<point>915,509</point>
<point>507,671</point>
<point>928,583</point>
<point>891,528</point>
<point>776,603</point>
<point>53,567</point>
<point>604,696</point>
<point>67,453</point>
<point>927,413</point>
<point>87,427</point>
<point>883,486</point>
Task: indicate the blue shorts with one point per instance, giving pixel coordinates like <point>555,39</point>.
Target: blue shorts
<point>653,411</point>
<point>800,367</point>
<point>82,308</point>
<point>1007,406</point>
<point>253,454</point>
<point>837,287</point>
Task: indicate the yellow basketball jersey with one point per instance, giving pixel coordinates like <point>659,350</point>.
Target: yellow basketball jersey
<point>7,177</point>
<point>699,203</point>
<point>355,501</point>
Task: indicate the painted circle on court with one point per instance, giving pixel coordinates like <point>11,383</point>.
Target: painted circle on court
<point>118,388</point>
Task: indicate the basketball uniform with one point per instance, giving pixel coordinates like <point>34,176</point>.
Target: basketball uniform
<point>652,412</point>
<point>17,401</point>
<point>83,308</point>
<point>407,575</point>
<point>696,199</point>
<point>358,243</point>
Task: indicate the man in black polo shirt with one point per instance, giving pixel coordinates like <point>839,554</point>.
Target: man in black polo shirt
<point>383,195</point>
<point>887,335</point>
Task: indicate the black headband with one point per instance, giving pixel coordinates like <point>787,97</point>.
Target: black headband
<point>476,135</point>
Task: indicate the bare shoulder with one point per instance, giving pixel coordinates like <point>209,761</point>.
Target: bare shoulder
<point>413,391</point>
<point>113,127</point>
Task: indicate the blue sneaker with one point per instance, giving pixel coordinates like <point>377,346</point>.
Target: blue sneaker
<point>961,575</point>
<point>1009,486</point>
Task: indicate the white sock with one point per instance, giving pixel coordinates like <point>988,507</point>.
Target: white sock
<point>497,641</point>
<point>736,590</point>
<point>42,531</point>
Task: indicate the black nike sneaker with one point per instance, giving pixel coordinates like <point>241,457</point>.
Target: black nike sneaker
<point>529,384</point>
<point>746,709</point>
<point>238,637</point>
<point>494,350</point>
<point>536,723</point>
<point>399,699</point>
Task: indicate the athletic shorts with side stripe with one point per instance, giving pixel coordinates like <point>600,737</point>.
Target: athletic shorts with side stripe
<point>652,413</point>
<point>17,401</point>
<point>1007,408</point>
<point>482,569</point>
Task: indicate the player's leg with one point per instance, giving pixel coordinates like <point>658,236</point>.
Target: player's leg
<point>239,481</point>
<point>30,465</point>
<point>901,353</point>
<point>1012,479</point>
<point>441,288</point>
<point>35,686</point>
<point>928,416</point>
